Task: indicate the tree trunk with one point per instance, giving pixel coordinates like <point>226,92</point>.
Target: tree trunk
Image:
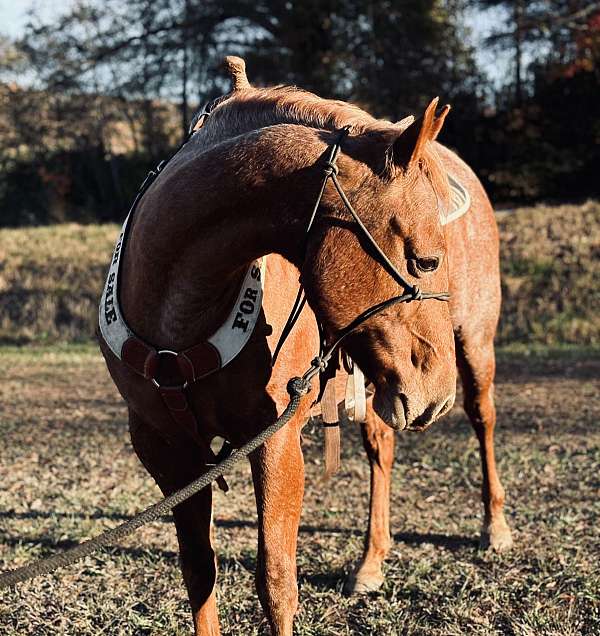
<point>518,17</point>
<point>184,73</point>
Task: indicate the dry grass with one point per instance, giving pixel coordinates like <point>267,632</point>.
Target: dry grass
<point>551,274</point>
<point>51,278</point>
<point>50,281</point>
<point>68,471</point>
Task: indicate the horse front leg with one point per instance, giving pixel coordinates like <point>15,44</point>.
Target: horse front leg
<point>173,466</point>
<point>476,364</point>
<point>278,474</point>
<point>378,440</point>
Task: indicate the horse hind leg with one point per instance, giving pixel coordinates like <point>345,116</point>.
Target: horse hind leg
<point>378,440</point>
<point>172,467</point>
<point>476,363</point>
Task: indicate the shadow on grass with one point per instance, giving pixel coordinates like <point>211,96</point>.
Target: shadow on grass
<point>325,580</point>
<point>450,542</point>
<point>52,546</point>
<point>40,514</point>
<point>574,364</point>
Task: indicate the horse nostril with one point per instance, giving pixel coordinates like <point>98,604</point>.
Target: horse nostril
<point>446,406</point>
<point>402,397</point>
<point>415,360</point>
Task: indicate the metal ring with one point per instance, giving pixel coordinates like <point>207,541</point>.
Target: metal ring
<point>175,386</point>
<point>155,381</point>
<point>171,353</point>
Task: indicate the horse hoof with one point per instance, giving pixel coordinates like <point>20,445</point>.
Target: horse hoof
<point>496,537</point>
<point>363,583</point>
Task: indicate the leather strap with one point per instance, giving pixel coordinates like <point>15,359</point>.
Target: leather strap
<point>176,401</point>
<point>331,428</point>
<point>194,363</point>
<point>360,396</point>
<point>191,364</point>
<point>199,361</point>
<point>355,403</point>
<point>140,357</point>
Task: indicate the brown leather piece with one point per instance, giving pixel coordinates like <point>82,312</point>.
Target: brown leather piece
<point>198,361</point>
<point>192,364</point>
<point>329,413</point>
<point>175,400</point>
<point>140,357</point>
<point>329,407</point>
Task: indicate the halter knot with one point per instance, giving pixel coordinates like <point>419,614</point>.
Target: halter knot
<point>297,387</point>
<point>319,363</point>
<point>331,168</point>
<point>416,293</point>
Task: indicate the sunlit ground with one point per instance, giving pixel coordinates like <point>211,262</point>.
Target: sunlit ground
<point>68,471</point>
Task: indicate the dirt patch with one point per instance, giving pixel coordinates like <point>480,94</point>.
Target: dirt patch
<point>68,471</point>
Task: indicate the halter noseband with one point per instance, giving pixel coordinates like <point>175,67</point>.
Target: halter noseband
<point>412,292</point>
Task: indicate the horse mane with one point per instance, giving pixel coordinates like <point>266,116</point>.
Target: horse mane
<point>249,108</point>
<point>292,105</point>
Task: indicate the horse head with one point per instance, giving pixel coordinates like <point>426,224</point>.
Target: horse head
<point>397,185</point>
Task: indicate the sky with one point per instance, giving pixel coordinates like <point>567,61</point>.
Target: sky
<point>13,17</point>
<point>13,13</point>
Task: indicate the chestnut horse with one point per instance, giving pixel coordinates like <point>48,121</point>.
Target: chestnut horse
<point>243,187</point>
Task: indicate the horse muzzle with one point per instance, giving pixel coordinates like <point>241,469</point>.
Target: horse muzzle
<point>404,414</point>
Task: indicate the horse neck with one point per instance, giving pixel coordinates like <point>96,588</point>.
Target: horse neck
<point>205,220</point>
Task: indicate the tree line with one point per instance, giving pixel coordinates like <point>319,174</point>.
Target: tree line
<point>111,88</point>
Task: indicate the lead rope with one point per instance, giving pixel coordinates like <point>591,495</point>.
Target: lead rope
<point>297,388</point>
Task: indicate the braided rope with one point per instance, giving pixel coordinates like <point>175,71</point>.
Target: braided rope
<point>297,387</point>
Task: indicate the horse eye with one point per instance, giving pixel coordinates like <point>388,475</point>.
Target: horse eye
<point>425,264</point>
<point>429,264</point>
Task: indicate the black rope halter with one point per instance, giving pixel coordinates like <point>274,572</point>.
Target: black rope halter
<point>411,292</point>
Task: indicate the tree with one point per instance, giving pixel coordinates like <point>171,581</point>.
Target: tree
<point>544,27</point>
<point>389,55</point>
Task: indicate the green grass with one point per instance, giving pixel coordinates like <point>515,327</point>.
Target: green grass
<point>536,269</point>
<point>50,281</point>
<point>68,471</point>
<point>35,351</point>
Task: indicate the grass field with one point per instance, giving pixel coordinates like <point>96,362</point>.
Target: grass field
<point>68,471</point>
<point>51,278</point>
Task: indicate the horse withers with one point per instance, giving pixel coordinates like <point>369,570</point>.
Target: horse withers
<point>243,188</point>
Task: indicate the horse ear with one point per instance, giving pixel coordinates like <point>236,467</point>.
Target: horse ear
<point>438,122</point>
<point>236,67</point>
<point>406,122</point>
<point>409,146</point>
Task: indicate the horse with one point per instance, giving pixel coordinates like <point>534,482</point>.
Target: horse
<point>219,241</point>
